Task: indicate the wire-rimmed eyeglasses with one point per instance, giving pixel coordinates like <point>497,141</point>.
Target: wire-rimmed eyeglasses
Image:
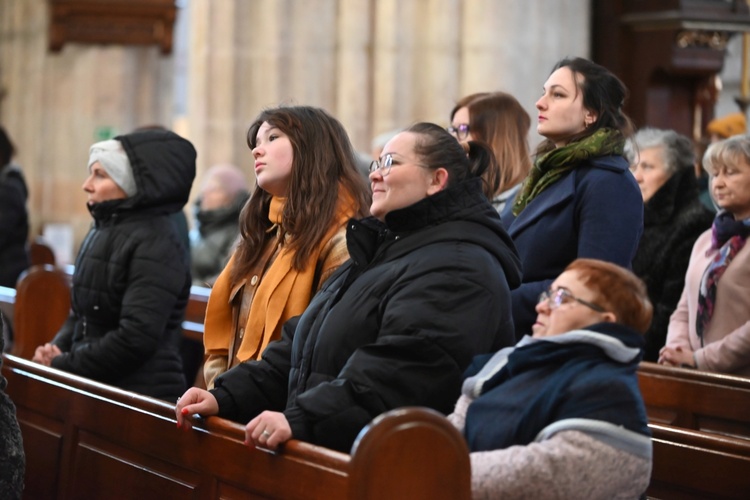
<point>556,298</point>
<point>461,132</point>
<point>383,165</point>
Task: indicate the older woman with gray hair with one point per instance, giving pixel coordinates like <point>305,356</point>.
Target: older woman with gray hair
<point>710,329</point>
<point>663,163</point>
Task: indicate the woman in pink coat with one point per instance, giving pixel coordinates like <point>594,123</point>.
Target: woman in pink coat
<point>710,329</point>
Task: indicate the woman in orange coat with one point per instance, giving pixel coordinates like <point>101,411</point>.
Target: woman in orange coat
<point>292,232</point>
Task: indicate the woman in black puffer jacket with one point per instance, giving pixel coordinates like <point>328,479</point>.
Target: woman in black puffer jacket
<point>132,275</point>
<point>426,289</point>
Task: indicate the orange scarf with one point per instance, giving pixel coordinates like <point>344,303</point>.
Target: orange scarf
<point>282,293</point>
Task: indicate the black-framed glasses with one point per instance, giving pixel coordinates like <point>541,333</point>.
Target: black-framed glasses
<point>383,165</point>
<point>556,298</point>
<point>461,132</point>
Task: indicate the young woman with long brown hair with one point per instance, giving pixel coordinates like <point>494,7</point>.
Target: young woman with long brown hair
<point>291,232</point>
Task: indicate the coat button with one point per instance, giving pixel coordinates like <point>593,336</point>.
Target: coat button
<point>254,280</point>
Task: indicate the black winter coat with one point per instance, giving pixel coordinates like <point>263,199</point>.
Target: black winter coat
<point>673,219</point>
<point>132,277</point>
<point>395,326</point>
<point>14,225</point>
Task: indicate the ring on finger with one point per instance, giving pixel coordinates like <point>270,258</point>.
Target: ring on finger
<point>265,434</point>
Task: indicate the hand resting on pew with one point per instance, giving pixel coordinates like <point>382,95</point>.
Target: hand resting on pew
<point>678,356</point>
<point>44,354</point>
<point>195,402</point>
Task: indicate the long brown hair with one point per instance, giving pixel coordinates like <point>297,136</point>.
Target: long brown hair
<point>499,120</point>
<point>323,162</point>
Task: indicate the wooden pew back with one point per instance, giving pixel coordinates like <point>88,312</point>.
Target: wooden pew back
<point>88,440</point>
<point>694,465</point>
<point>41,253</point>
<point>42,304</point>
<point>697,400</point>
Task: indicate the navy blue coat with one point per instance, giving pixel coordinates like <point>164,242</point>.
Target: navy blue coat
<point>593,211</point>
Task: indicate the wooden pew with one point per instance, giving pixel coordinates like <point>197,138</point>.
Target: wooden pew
<point>695,465</point>
<point>42,304</point>
<point>88,440</point>
<point>41,253</point>
<point>697,400</point>
<point>196,308</point>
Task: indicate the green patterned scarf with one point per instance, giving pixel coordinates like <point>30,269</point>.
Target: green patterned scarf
<point>551,166</point>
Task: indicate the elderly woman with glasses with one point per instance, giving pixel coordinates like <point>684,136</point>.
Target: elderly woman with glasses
<point>561,411</point>
<point>427,288</point>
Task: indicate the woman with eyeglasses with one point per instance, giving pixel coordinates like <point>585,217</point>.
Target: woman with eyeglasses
<point>579,199</point>
<point>292,232</point>
<point>498,120</point>
<point>562,411</point>
<point>426,289</point>
<point>710,329</point>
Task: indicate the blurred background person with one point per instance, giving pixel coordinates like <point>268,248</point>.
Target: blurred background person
<point>498,120</point>
<point>726,126</point>
<point>223,193</point>
<point>710,329</point>
<point>14,218</point>
<point>663,163</point>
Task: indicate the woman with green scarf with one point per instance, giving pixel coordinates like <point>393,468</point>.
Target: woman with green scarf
<point>579,200</point>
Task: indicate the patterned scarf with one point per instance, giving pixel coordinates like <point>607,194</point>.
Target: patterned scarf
<point>551,166</point>
<point>728,236</point>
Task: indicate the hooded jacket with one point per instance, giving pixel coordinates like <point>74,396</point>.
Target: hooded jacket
<point>14,225</point>
<point>132,277</point>
<point>552,414</point>
<point>395,326</point>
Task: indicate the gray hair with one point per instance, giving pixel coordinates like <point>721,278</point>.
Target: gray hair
<point>677,151</point>
<point>726,152</point>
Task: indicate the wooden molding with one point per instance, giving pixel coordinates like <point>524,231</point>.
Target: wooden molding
<point>123,22</point>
